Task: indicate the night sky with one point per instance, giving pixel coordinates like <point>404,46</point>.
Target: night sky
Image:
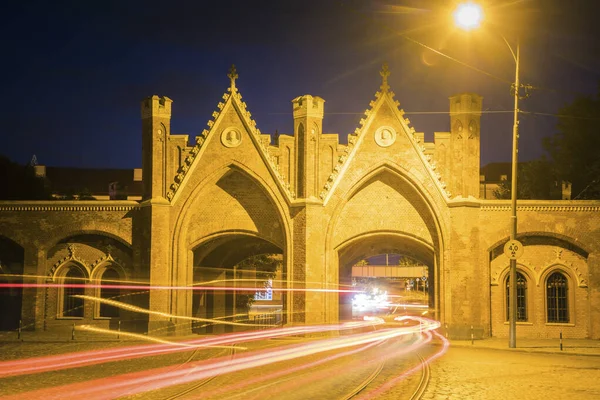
<point>75,72</point>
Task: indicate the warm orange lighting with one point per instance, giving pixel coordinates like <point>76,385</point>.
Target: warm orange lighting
<point>468,15</point>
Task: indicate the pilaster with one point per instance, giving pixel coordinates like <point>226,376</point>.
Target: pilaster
<point>155,258</point>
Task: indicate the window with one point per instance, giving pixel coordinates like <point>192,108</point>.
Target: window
<point>73,306</point>
<point>110,278</point>
<point>556,298</point>
<point>521,297</point>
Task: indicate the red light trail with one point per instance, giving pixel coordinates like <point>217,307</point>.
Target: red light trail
<point>138,382</point>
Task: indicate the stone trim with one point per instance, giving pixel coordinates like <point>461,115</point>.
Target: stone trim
<point>541,208</point>
<point>66,208</point>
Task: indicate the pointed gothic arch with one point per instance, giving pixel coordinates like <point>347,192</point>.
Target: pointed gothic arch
<point>427,244</point>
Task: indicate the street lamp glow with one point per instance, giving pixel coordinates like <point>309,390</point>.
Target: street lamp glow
<point>468,15</point>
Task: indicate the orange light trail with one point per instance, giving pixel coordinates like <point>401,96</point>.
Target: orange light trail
<point>130,307</point>
<point>80,359</point>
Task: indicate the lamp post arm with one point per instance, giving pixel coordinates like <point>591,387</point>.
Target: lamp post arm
<point>515,56</point>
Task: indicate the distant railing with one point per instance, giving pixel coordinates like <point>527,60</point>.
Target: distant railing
<point>266,321</point>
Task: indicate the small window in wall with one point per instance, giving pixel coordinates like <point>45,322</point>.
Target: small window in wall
<point>557,298</point>
<point>521,298</point>
<point>110,278</point>
<point>73,306</point>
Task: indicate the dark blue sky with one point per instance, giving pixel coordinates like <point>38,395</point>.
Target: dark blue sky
<point>76,71</point>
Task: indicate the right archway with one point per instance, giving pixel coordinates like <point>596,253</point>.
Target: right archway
<point>388,213</point>
<point>377,243</point>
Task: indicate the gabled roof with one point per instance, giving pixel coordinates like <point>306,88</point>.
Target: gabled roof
<point>232,98</point>
<point>385,95</point>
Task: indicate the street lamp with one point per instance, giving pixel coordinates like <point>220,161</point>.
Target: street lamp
<point>469,16</point>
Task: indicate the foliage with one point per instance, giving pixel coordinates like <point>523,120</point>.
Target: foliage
<point>19,182</point>
<point>362,263</point>
<point>243,300</point>
<point>536,179</point>
<point>575,149</point>
<point>266,265</point>
<point>405,261</point>
<point>75,194</point>
<point>574,157</point>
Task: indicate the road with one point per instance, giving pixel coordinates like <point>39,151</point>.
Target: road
<point>375,369</point>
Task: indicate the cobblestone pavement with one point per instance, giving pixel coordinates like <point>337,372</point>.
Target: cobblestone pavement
<point>488,373</point>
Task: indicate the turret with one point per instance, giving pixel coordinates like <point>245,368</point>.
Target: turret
<point>308,127</point>
<point>464,151</point>
<point>156,128</point>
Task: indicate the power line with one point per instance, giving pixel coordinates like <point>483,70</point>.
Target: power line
<point>405,112</point>
<point>559,115</point>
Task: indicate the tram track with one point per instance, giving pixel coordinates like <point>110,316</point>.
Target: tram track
<point>424,381</point>
<point>381,371</point>
<point>418,392</point>
<point>365,382</point>
<point>196,385</point>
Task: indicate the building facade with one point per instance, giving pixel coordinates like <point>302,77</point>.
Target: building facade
<point>320,204</point>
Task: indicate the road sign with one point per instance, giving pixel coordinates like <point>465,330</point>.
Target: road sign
<point>423,278</point>
<point>513,249</point>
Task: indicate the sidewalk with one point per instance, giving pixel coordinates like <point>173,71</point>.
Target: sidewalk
<point>569,346</point>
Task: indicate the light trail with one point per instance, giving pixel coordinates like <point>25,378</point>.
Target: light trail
<point>130,307</point>
<point>316,376</point>
<point>90,328</point>
<point>143,381</point>
<point>144,284</point>
<point>160,287</point>
<point>390,384</point>
<point>92,357</point>
<point>288,371</point>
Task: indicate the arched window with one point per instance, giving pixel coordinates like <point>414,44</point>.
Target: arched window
<point>73,306</point>
<point>521,297</point>
<point>110,278</point>
<point>557,304</point>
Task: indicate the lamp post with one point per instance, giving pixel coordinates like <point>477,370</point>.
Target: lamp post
<point>469,16</point>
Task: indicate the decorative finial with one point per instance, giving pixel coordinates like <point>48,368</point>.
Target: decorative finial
<point>233,76</point>
<point>385,72</point>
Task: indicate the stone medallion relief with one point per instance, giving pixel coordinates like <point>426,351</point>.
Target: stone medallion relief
<point>231,137</point>
<point>385,136</point>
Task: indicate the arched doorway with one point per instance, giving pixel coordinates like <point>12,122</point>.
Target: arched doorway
<point>231,283</point>
<point>371,246</point>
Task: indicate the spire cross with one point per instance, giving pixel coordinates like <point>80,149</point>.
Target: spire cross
<point>385,72</point>
<point>232,75</point>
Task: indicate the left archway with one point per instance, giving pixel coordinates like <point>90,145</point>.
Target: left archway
<point>11,271</point>
<point>221,284</point>
<point>244,218</point>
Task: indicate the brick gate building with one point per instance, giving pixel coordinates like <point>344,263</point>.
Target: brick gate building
<point>323,206</point>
